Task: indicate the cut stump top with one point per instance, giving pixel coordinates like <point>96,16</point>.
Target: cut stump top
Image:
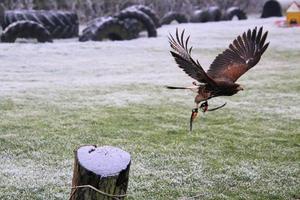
<point>105,161</point>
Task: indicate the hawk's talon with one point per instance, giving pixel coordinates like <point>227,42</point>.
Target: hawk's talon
<point>204,106</point>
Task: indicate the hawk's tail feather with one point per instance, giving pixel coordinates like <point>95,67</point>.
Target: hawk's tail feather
<point>174,87</point>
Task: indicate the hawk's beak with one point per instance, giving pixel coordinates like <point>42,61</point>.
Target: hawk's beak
<point>193,117</point>
<point>240,88</point>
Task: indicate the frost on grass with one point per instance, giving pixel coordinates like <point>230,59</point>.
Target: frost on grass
<point>27,173</point>
<point>105,64</point>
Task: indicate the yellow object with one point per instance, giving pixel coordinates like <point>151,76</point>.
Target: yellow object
<point>293,14</point>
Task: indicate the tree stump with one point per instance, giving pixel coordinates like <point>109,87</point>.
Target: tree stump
<point>100,173</point>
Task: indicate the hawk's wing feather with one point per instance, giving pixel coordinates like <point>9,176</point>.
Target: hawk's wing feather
<point>182,54</point>
<point>243,54</point>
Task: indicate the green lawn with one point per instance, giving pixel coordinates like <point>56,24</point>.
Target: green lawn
<point>248,150</point>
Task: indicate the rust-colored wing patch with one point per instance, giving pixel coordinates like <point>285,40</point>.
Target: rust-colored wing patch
<point>243,54</point>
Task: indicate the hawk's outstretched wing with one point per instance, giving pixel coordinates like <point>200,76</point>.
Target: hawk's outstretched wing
<point>182,55</point>
<point>243,54</point>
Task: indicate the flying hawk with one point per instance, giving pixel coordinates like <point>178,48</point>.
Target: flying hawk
<point>220,79</point>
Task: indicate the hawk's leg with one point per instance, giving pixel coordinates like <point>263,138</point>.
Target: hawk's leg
<point>198,99</point>
<point>193,116</point>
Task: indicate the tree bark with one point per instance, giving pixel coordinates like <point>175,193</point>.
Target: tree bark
<point>100,173</point>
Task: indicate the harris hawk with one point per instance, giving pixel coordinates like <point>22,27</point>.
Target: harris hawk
<point>220,79</point>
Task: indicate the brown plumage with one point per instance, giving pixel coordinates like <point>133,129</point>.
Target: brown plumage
<point>242,54</point>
